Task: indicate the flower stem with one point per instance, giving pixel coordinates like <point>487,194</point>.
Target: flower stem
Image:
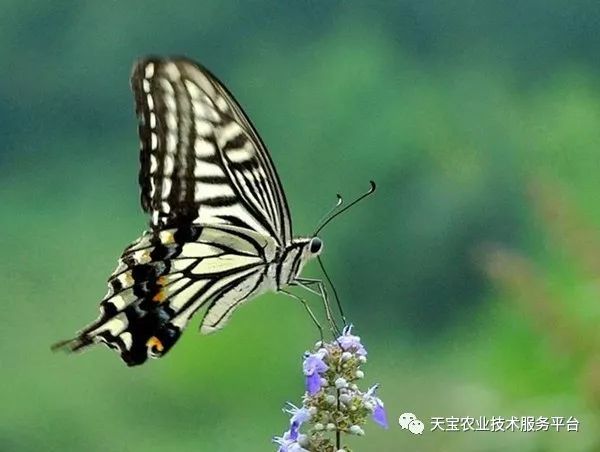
<point>337,428</point>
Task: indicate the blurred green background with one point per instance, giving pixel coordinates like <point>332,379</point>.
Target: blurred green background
<point>472,275</point>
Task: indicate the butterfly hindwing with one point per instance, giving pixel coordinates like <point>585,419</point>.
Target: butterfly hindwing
<point>165,277</point>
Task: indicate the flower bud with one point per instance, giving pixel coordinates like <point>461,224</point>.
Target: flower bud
<point>341,383</point>
<point>356,430</point>
<point>345,398</point>
<point>303,440</point>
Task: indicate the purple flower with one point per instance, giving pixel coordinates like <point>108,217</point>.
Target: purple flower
<point>379,414</point>
<point>299,417</point>
<point>287,444</point>
<point>350,342</point>
<point>313,367</point>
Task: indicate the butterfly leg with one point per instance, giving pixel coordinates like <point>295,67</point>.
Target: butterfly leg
<point>324,294</point>
<point>335,294</point>
<point>307,307</point>
<point>305,283</point>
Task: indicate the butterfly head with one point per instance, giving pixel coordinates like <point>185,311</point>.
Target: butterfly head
<point>296,256</point>
<point>315,246</point>
<point>308,248</point>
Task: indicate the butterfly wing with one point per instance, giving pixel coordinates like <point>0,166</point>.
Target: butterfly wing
<point>164,277</point>
<point>218,213</point>
<point>201,158</point>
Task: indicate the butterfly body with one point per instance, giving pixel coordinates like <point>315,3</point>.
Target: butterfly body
<point>220,230</point>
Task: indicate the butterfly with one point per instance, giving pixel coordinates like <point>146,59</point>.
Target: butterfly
<point>220,230</point>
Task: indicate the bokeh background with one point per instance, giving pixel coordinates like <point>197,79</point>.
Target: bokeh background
<point>472,275</point>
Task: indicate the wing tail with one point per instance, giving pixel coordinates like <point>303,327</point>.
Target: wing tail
<point>73,345</point>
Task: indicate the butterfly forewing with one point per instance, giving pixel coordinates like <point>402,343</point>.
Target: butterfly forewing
<point>201,159</point>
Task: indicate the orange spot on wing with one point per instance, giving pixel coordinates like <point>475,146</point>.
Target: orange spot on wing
<point>159,297</point>
<point>155,343</point>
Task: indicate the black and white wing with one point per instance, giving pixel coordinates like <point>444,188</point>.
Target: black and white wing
<point>165,276</point>
<point>218,215</point>
<point>201,158</point>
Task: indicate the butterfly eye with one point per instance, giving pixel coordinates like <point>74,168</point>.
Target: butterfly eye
<point>315,245</point>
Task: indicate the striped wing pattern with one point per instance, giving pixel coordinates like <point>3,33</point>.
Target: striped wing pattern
<point>218,215</point>
<point>164,277</point>
<point>201,158</point>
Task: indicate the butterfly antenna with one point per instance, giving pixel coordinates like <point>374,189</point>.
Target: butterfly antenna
<point>339,202</point>
<point>335,294</point>
<point>339,212</point>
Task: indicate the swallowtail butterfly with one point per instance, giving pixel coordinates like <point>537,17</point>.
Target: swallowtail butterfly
<point>220,230</point>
